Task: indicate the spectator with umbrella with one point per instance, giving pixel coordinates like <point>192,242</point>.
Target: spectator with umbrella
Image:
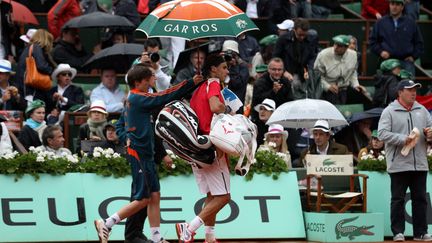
<point>358,134</point>
<point>127,9</point>
<point>193,66</point>
<point>69,49</point>
<point>123,53</point>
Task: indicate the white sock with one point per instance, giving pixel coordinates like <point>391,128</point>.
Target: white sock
<point>155,234</point>
<point>210,233</point>
<point>112,220</point>
<point>195,224</point>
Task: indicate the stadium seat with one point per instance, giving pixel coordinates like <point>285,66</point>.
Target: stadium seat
<point>319,197</point>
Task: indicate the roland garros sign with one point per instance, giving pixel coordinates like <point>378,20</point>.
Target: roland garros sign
<point>194,19</point>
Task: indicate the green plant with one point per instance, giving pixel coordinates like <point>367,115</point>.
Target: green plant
<point>266,162</point>
<point>429,159</point>
<point>37,161</point>
<point>106,162</point>
<point>369,162</point>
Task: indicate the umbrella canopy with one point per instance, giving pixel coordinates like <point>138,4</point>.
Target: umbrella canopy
<point>22,14</point>
<point>194,19</point>
<point>119,57</point>
<point>98,19</point>
<point>372,113</point>
<point>305,112</point>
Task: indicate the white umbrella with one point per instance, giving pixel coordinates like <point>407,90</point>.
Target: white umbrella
<point>305,112</point>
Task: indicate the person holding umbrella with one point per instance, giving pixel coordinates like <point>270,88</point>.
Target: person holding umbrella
<point>69,49</point>
<point>196,60</point>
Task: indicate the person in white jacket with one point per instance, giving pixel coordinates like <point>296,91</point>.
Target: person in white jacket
<point>5,143</point>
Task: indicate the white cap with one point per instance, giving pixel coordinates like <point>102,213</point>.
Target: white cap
<point>230,45</point>
<point>268,104</point>
<point>99,106</point>
<point>321,125</point>
<point>26,38</point>
<point>277,129</point>
<point>5,66</point>
<point>287,24</point>
<point>63,67</point>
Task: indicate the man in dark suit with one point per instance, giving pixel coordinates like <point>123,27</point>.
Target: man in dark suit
<point>65,95</point>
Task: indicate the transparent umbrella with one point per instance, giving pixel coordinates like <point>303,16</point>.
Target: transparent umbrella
<point>305,112</point>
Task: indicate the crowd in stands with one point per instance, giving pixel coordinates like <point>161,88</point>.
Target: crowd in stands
<point>287,64</point>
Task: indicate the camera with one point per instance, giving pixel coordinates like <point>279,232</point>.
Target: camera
<point>228,55</point>
<point>154,56</point>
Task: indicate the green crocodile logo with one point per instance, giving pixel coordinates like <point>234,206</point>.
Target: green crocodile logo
<point>328,162</point>
<point>351,231</point>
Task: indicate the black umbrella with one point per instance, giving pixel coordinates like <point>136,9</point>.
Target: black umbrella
<point>184,56</point>
<point>372,113</point>
<point>118,57</point>
<point>98,19</point>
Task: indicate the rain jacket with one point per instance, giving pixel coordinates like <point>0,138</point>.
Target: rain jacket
<point>394,126</point>
<point>60,13</point>
<point>401,42</point>
<point>341,70</point>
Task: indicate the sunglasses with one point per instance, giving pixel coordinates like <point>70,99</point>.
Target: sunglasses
<point>66,74</point>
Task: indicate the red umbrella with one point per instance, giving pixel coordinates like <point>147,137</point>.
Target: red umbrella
<point>22,14</point>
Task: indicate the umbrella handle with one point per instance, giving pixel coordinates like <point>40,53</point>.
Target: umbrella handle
<point>175,5</point>
<point>198,68</point>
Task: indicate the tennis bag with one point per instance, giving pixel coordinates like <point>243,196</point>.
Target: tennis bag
<point>235,135</point>
<point>177,125</point>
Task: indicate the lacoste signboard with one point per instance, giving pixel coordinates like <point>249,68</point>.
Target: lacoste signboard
<point>346,227</point>
<point>329,164</point>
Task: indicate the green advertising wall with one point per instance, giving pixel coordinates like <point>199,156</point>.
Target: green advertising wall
<point>62,208</point>
<point>344,227</point>
<point>379,196</point>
